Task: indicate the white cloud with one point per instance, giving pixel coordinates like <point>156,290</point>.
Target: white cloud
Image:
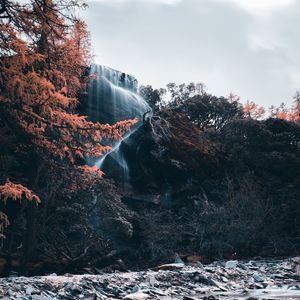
<point>252,6</point>
<point>170,2</point>
<point>249,47</point>
<point>262,6</point>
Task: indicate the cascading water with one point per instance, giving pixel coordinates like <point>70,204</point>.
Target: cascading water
<point>113,97</point>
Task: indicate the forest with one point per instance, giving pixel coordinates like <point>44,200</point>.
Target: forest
<point>181,171</point>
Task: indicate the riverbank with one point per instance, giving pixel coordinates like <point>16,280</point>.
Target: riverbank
<point>260,279</point>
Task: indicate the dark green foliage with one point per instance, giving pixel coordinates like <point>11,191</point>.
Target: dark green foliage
<point>232,183</point>
<point>208,111</point>
<point>152,96</point>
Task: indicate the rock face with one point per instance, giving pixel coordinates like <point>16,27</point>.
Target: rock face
<point>249,280</point>
<point>163,157</point>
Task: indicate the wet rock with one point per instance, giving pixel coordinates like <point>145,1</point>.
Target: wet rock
<point>189,298</point>
<point>32,291</point>
<point>199,265</point>
<point>152,280</point>
<point>257,277</point>
<point>137,296</point>
<point>175,266</point>
<point>231,264</point>
<point>178,259</point>
<point>296,264</point>
<point>243,266</point>
<point>38,297</point>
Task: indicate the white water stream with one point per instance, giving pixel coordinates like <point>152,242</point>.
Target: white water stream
<point>113,97</point>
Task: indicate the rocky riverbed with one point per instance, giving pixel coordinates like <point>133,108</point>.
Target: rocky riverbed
<point>256,279</point>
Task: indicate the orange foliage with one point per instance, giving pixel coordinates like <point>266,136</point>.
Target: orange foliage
<point>15,191</point>
<point>290,114</point>
<point>254,111</point>
<point>40,81</point>
<point>280,112</point>
<point>4,222</point>
<point>44,57</point>
<point>295,111</point>
<point>90,171</point>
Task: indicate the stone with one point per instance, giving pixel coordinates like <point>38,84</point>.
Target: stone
<point>30,291</point>
<point>152,280</point>
<point>137,296</point>
<point>296,264</point>
<point>200,265</point>
<point>257,277</point>
<point>135,289</point>
<point>243,267</point>
<point>178,259</point>
<point>10,292</point>
<point>231,264</point>
<point>170,267</point>
<point>39,297</point>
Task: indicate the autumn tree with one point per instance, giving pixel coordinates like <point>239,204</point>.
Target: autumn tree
<point>254,111</point>
<point>44,54</point>
<point>294,115</point>
<point>280,112</point>
<point>233,98</point>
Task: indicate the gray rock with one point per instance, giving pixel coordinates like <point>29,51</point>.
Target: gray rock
<point>152,280</point>
<point>200,265</point>
<point>39,297</point>
<point>178,259</point>
<point>257,277</point>
<point>231,264</point>
<point>30,290</point>
<point>10,292</point>
<point>137,296</point>
<point>170,266</point>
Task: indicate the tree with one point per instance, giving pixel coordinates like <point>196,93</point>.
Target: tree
<point>39,82</point>
<point>180,93</point>
<point>294,115</point>
<point>44,54</point>
<point>208,111</point>
<point>233,98</point>
<point>280,112</point>
<point>152,96</point>
<point>252,110</point>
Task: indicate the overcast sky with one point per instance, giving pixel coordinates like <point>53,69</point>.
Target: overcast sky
<point>249,47</point>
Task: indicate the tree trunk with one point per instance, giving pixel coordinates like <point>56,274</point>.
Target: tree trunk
<point>30,241</point>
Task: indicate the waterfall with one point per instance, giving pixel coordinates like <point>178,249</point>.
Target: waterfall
<point>112,97</point>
